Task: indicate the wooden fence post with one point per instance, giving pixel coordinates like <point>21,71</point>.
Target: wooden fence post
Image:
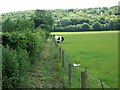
<point>84,80</point>
<point>62,58</point>
<point>60,52</point>
<point>70,73</point>
<point>102,85</point>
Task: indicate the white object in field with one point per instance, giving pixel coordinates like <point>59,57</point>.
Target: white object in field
<point>76,65</point>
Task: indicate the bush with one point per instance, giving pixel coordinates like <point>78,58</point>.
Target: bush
<point>20,51</point>
<point>15,66</point>
<point>10,25</point>
<point>31,41</point>
<point>45,28</point>
<point>22,42</point>
<point>35,42</point>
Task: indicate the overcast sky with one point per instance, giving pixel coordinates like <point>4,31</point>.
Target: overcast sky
<point>21,5</point>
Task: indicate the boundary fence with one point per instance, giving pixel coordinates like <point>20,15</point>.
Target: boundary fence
<point>83,79</point>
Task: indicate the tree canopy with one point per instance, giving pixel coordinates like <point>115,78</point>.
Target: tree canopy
<point>97,19</point>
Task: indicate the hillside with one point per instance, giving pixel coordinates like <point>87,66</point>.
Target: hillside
<point>89,19</point>
<point>70,20</point>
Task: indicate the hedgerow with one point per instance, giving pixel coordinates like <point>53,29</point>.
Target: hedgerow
<point>23,38</point>
<point>20,51</point>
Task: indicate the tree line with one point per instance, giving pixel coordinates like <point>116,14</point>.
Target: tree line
<point>90,19</point>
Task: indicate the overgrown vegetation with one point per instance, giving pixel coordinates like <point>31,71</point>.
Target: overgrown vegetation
<point>22,44</point>
<point>24,34</point>
<point>47,70</point>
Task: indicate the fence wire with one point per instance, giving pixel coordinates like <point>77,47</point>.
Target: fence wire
<point>76,75</point>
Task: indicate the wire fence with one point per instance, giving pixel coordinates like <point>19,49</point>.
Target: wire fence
<point>72,73</point>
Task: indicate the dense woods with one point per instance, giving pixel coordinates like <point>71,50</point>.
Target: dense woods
<point>91,19</point>
<point>25,32</point>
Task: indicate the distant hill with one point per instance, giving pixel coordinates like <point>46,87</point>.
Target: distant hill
<point>89,19</point>
<point>86,19</point>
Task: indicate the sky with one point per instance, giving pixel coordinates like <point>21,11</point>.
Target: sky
<point>22,5</point>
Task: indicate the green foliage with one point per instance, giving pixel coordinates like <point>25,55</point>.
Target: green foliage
<point>24,34</point>
<point>114,24</point>
<point>20,51</point>
<point>9,60</point>
<point>36,41</point>
<point>24,24</point>
<point>8,25</point>
<point>38,22</point>
<point>65,22</point>
<point>43,17</point>
<point>28,40</point>
<point>85,26</point>
<point>15,66</point>
<point>46,29</point>
<point>96,26</point>
<point>73,17</point>
<point>23,38</point>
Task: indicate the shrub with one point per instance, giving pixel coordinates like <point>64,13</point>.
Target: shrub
<point>20,50</point>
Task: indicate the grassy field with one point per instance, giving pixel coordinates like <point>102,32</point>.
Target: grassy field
<point>98,51</point>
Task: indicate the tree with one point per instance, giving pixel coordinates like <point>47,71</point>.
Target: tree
<point>43,17</point>
<point>23,24</point>
<point>85,26</point>
<point>38,22</point>
<point>96,26</point>
<point>102,20</point>
<point>45,28</point>
<point>8,25</point>
<point>65,22</point>
<point>114,24</point>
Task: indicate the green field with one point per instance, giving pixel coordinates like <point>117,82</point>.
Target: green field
<point>98,51</point>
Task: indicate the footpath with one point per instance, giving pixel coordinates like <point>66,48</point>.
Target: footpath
<point>46,72</point>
